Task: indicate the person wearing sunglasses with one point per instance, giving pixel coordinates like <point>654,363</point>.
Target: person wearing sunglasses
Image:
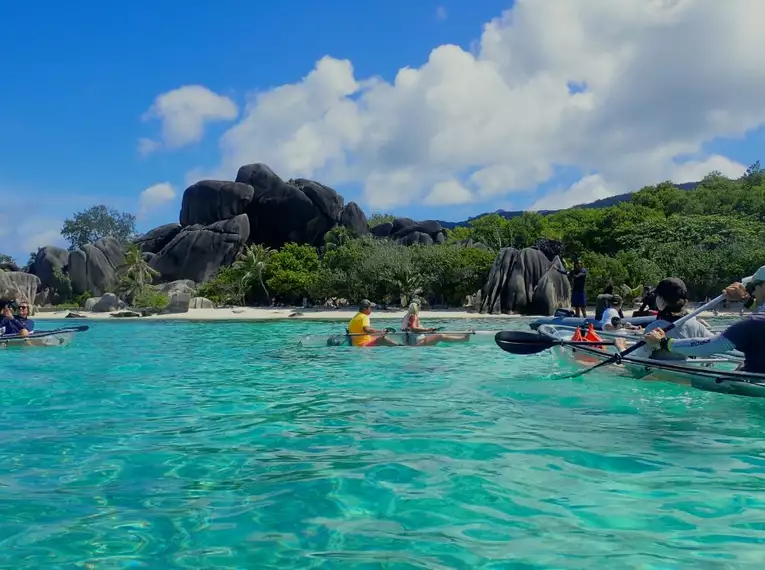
<point>22,318</point>
<point>747,335</point>
<point>20,325</point>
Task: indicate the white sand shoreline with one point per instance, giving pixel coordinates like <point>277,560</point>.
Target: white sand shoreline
<point>256,314</point>
<point>271,314</point>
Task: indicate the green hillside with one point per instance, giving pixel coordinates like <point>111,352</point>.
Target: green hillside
<point>708,236</point>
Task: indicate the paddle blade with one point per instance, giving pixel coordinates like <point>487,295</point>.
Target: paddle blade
<point>520,342</point>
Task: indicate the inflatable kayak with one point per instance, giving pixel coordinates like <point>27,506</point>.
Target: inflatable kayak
<point>55,337</point>
<point>575,322</point>
<point>714,374</point>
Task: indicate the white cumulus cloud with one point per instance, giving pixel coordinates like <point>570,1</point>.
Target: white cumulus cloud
<point>184,113</point>
<point>654,81</point>
<point>35,232</point>
<point>448,193</point>
<point>594,187</point>
<point>155,197</point>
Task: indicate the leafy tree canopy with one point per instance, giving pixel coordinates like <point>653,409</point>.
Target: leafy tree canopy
<point>97,222</point>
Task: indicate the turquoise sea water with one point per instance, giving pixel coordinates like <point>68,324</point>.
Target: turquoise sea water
<point>223,445</point>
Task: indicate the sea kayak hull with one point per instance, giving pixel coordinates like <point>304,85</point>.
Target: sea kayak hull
<point>473,337</point>
<point>715,374</point>
<point>51,338</point>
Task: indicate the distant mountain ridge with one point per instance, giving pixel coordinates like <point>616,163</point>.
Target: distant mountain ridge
<point>602,203</point>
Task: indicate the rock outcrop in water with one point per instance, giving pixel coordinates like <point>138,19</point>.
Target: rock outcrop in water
<point>524,281</point>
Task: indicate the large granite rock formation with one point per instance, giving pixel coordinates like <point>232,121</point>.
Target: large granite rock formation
<point>154,240</point>
<point>94,267</point>
<point>179,294</point>
<point>210,201</point>
<point>218,217</point>
<point>552,292</point>
<point>18,286</point>
<point>513,284</point>
<point>48,259</point>
<point>353,218</point>
<point>408,232</point>
<point>197,252</point>
<point>299,210</point>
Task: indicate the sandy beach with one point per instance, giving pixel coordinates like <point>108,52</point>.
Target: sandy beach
<point>295,313</point>
<point>278,313</point>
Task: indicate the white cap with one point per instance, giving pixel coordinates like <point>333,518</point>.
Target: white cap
<point>758,276</point>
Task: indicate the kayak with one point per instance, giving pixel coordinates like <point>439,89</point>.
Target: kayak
<point>712,374</point>
<point>584,322</point>
<point>344,339</point>
<point>55,337</point>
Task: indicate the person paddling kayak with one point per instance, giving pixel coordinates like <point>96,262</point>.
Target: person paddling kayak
<point>747,336</point>
<point>11,325</point>
<point>416,334</point>
<point>361,331</point>
<point>671,297</point>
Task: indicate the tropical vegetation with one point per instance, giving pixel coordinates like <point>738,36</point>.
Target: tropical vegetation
<point>708,236</point>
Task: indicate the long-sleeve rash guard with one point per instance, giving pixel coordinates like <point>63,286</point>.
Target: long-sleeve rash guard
<point>747,336</point>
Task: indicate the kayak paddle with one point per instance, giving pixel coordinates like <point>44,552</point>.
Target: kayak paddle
<point>616,358</point>
<point>520,342</point>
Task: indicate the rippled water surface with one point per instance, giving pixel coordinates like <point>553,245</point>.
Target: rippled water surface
<point>223,445</point>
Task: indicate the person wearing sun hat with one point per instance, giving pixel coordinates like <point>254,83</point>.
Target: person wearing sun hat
<point>747,335</point>
<point>751,292</point>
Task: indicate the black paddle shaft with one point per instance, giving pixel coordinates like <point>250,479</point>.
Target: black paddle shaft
<point>520,342</point>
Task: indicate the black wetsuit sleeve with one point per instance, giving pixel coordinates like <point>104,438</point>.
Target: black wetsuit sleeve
<point>742,332</point>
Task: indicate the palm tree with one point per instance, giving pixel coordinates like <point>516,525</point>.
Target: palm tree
<point>252,262</point>
<point>135,273</point>
<point>409,285</point>
<point>336,237</point>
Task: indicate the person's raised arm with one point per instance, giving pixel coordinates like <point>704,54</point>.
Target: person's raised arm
<point>689,346</point>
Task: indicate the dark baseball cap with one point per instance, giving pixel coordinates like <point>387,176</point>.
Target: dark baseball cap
<point>365,304</point>
<point>671,290</point>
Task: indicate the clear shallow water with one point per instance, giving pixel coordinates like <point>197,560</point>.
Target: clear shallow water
<point>222,445</point>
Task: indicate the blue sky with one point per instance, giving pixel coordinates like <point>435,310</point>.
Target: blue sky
<point>74,93</point>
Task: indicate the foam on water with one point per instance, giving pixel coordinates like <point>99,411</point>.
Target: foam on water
<point>223,445</point>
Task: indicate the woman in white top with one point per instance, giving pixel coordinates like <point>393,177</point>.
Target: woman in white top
<point>611,320</point>
<point>417,335</point>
